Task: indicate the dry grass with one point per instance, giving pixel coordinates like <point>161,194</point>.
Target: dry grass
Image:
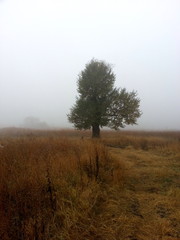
<point>55,185</point>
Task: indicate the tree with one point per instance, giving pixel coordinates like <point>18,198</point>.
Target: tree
<point>34,123</point>
<point>101,104</point>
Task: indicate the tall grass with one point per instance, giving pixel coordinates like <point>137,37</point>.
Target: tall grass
<point>49,186</point>
<point>58,185</point>
<point>160,141</point>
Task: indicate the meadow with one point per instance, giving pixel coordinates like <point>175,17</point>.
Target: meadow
<point>63,185</point>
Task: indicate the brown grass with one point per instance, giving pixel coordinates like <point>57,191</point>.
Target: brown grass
<point>57,185</point>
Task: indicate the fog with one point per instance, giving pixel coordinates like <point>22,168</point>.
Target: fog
<point>45,44</point>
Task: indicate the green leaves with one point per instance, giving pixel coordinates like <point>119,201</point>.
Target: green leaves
<point>124,109</point>
<point>99,103</point>
<point>96,80</point>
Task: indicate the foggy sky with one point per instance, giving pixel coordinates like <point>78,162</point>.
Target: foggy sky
<point>45,44</point>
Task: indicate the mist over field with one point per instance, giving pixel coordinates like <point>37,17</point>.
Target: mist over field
<point>88,64</point>
<point>45,44</point>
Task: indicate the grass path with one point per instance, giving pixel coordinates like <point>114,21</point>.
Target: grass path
<point>148,204</point>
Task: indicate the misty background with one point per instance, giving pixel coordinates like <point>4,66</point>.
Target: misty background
<point>45,44</point>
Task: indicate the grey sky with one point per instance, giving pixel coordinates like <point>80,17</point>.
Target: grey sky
<point>45,44</point>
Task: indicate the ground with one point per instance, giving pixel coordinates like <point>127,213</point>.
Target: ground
<point>63,185</point>
<point>150,196</point>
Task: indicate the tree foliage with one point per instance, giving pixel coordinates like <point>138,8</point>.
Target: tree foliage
<point>99,103</point>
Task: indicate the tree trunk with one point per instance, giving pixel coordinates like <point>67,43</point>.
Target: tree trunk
<point>95,131</point>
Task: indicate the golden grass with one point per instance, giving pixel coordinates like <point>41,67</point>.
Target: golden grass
<point>57,185</point>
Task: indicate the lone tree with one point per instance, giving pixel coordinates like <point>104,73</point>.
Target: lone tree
<point>100,103</point>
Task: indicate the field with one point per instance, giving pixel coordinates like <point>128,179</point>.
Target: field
<point>63,185</point>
